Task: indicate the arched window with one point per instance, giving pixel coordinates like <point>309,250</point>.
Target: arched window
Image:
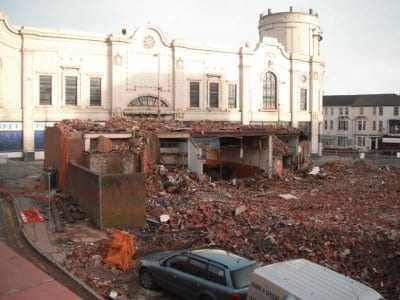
<point>269,91</point>
<point>148,101</point>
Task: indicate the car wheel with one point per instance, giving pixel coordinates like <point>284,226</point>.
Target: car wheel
<point>146,280</point>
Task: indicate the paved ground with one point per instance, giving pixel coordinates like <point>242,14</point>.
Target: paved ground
<point>19,279</point>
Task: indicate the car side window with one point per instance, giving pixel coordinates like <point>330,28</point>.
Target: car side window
<point>216,274</point>
<point>178,262</point>
<point>197,268</point>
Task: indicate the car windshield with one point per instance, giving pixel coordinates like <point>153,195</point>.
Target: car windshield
<point>241,277</point>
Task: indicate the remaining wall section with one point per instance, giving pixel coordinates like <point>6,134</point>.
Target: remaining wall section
<point>84,187</point>
<point>111,201</point>
<point>123,200</point>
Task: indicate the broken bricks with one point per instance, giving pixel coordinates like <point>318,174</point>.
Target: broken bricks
<point>333,221</point>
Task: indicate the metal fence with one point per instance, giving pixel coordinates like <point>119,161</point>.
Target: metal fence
<point>26,183</point>
<point>379,158</point>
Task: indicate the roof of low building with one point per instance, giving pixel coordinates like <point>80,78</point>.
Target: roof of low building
<point>362,100</point>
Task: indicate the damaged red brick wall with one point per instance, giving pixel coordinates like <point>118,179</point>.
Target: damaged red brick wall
<point>153,147</point>
<point>112,163</point>
<point>54,152</point>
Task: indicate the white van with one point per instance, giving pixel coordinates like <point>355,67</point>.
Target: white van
<point>303,279</point>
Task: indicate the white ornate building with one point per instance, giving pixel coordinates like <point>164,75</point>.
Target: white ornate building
<point>49,75</point>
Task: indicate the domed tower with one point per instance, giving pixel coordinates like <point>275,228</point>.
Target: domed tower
<point>299,32</point>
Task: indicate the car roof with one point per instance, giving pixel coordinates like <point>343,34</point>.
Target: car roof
<point>228,259</point>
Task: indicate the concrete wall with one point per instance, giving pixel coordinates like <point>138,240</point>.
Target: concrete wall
<point>195,164</point>
<point>123,200</point>
<point>85,188</point>
<point>115,200</point>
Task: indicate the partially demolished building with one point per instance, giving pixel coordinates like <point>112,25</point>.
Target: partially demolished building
<point>102,166</point>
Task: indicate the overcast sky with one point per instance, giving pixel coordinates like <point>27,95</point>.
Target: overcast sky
<point>361,44</point>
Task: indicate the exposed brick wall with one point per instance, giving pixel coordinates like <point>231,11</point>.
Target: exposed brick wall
<point>56,152</point>
<point>113,163</point>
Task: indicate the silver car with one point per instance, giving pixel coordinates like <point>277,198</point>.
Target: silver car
<point>198,274</point>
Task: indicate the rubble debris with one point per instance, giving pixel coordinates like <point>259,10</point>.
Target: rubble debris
<point>346,218</point>
<point>104,145</point>
<point>238,210</point>
<point>56,217</point>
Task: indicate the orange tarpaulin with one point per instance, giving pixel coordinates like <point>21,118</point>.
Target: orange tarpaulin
<point>120,254</point>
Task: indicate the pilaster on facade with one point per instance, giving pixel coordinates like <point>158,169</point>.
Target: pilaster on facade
<point>245,96</point>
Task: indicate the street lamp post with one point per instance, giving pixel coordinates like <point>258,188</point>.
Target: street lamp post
<point>158,88</point>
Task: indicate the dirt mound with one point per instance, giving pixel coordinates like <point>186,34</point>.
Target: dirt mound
<point>334,166</point>
<point>366,166</point>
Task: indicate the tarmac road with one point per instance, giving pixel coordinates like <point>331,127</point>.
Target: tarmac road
<point>11,235</point>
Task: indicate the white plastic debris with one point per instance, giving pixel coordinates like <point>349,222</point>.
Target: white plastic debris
<point>287,196</point>
<point>113,294</point>
<point>164,218</point>
<point>314,171</point>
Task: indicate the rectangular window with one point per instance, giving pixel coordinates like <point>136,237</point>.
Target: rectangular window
<point>232,96</point>
<point>342,125</point>
<point>71,90</point>
<point>394,126</point>
<point>374,110</point>
<point>178,262</point>
<point>380,128</point>
<point>346,111</point>
<point>214,94</point>
<point>195,94</point>
<point>395,110</point>
<point>11,141</point>
<point>95,91</point>
<point>216,274</point>
<point>342,141</point>
<point>331,125</point>
<point>325,110</point>
<point>361,125</point>
<point>331,110</point>
<point>197,268</point>
<point>45,89</point>
<point>269,91</point>
<point>340,111</point>
<point>361,141</point>
<point>380,110</point>
<point>303,99</point>
<point>361,111</point>
<point>325,124</point>
<point>374,125</point>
